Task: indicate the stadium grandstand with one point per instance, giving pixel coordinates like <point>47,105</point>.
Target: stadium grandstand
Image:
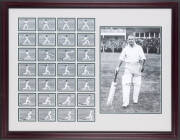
<point>113,39</point>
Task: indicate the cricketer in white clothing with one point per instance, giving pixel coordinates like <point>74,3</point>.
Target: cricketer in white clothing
<point>134,59</point>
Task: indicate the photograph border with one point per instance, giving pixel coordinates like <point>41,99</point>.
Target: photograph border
<point>86,134</point>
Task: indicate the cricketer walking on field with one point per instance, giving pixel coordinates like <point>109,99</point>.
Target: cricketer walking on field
<point>134,59</point>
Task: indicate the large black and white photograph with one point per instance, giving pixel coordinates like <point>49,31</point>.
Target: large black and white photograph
<point>130,70</point>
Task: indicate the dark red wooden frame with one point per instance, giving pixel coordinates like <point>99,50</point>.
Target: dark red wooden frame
<point>95,134</point>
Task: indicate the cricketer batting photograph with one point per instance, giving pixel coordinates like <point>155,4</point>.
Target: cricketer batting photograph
<point>130,78</point>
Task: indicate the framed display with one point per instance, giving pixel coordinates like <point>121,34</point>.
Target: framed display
<point>92,70</point>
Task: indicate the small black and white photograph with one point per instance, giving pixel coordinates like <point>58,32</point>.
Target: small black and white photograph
<point>65,40</point>
<point>27,69</point>
<point>27,99</point>
<point>86,84</point>
<point>27,84</point>
<point>27,114</point>
<point>130,70</point>
<point>86,115</point>
<point>86,55</point>
<point>66,54</point>
<point>46,69</point>
<point>47,115</point>
<point>86,24</point>
<point>86,100</point>
<point>66,115</point>
<point>46,99</point>
<point>86,39</point>
<point>26,39</point>
<point>66,69</point>
<point>46,24</point>
<point>27,24</point>
<point>66,84</point>
<point>26,54</point>
<point>86,69</point>
<point>46,39</point>
<point>66,24</point>
<point>66,100</point>
<point>46,84</point>
<point>46,54</point>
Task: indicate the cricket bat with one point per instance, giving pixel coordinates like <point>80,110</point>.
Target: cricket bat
<point>112,91</point>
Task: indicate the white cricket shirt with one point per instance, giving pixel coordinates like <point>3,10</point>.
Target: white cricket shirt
<point>132,54</point>
<point>132,57</point>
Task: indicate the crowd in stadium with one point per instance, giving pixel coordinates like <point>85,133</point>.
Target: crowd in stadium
<point>115,44</point>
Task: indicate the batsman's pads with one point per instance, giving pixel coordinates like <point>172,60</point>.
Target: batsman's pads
<point>112,91</point>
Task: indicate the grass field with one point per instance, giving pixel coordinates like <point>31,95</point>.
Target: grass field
<point>150,94</point>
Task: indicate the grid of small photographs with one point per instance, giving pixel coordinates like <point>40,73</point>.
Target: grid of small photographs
<point>56,69</point>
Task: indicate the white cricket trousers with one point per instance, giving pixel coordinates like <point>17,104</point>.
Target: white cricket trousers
<point>132,76</point>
